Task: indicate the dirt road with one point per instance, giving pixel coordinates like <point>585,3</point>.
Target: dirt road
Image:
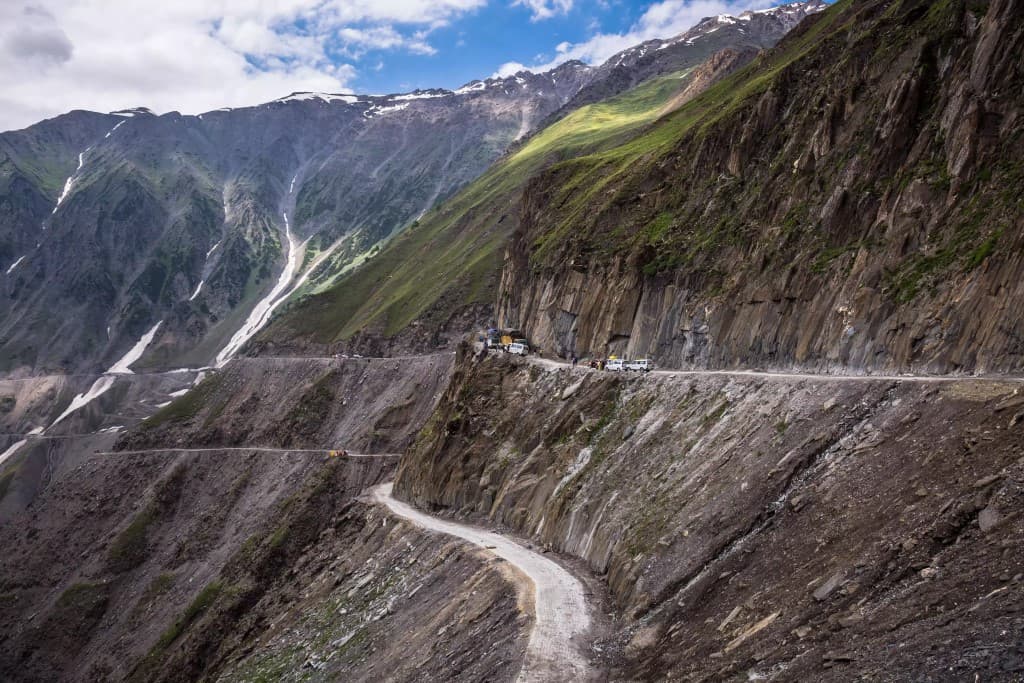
<point>555,364</point>
<point>561,616</point>
<point>251,449</point>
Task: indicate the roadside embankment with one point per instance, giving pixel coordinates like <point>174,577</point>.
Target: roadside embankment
<point>752,524</point>
<point>366,405</point>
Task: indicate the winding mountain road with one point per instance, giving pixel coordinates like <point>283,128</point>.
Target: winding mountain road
<point>560,610</point>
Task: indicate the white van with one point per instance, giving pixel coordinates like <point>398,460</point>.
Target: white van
<point>615,365</point>
<point>518,348</point>
<point>642,365</point>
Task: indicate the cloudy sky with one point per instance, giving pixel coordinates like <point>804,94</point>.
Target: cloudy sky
<point>196,55</point>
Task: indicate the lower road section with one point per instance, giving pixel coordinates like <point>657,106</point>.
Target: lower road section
<point>561,616</point>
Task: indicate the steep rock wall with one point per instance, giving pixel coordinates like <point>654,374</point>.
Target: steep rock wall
<point>847,203</point>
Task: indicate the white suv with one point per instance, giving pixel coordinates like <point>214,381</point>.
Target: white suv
<point>518,348</point>
<point>615,365</point>
<point>642,365</point>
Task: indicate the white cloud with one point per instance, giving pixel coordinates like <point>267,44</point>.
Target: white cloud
<point>508,69</point>
<point>195,55</point>
<point>545,9</point>
<point>661,20</point>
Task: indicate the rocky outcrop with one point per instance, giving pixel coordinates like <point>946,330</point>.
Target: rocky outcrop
<point>847,214</point>
<point>750,525</point>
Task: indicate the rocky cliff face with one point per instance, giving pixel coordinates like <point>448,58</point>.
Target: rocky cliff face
<point>845,203</point>
<point>806,529</point>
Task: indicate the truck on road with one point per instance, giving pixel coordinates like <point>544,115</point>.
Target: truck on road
<point>504,340</point>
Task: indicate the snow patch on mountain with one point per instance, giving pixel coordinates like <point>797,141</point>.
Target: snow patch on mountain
<point>260,315</point>
<point>123,366</point>
<point>69,183</point>
<point>474,86</point>
<point>111,131</point>
<point>15,264</point>
<point>11,450</point>
<point>98,388</point>
<point>323,97</point>
<point>378,110</point>
<point>135,111</point>
<point>421,95</point>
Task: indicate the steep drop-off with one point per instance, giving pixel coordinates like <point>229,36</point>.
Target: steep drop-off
<point>361,404</point>
<point>807,529</point>
<point>845,202</point>
<point>230,543</point>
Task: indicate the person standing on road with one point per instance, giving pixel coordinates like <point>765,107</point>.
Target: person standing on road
<point>574,360</point>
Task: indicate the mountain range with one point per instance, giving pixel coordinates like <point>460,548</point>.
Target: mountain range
<point>249,429</point>
<point>111,224</point>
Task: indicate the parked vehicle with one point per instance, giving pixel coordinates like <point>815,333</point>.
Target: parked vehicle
<point>518,348</point>
<point>642,365</point>
<point>615,365</point>
<point>509,337</point>
<point>502,340</point>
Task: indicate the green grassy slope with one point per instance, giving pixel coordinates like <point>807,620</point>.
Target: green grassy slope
<point>452,257</point>
<point>630,198</point>
<point>612,176</point>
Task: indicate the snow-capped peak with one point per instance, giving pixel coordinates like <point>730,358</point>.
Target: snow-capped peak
<point>377,110</point>
<point>472,86</point>
<point>134,111</point>
<point>347,98</point>
<point>421,95</point>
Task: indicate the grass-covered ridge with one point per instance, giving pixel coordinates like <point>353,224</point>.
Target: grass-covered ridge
<point>451,258</point>
<point>675,198</point>
<point>591,184</point>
